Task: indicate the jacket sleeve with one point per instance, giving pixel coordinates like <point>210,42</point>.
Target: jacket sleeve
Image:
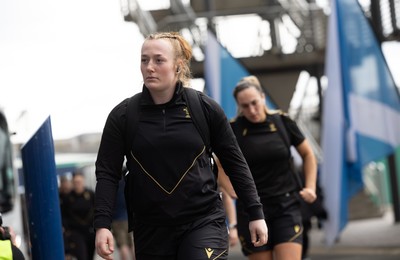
<point>225,146</point>
<point>109,162</point>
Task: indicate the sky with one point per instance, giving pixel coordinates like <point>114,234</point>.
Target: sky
<point>73,61</point>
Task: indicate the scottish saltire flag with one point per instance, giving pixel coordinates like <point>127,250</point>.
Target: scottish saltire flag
<point>222,73</point>
<point>361,113</point>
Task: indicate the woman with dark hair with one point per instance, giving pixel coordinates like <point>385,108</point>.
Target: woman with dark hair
<point>265,138</point>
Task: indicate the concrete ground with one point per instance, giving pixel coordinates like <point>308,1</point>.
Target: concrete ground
<point>369,239</point>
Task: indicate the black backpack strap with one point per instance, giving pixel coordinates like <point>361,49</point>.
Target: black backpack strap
<point>277,119</point>
<point>238,128</point>
<point>197,113</point>
<point>132,120</point>
<point>282,131</point>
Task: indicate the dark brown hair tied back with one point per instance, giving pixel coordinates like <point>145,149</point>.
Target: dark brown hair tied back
<point>247,82</point>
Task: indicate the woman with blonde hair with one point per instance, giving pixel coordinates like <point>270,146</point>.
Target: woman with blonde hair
<point>178,212</point>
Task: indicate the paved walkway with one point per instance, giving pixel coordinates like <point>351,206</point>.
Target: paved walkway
<point>370,239</point>
<point>377,238</point>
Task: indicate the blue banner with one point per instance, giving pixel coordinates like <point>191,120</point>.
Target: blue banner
<point>41,193</point>
<point>361,110</point>
<point>222,73</point>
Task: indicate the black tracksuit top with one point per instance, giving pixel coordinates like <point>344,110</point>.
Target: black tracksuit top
<point>172,182</point>
<point>267,154</point>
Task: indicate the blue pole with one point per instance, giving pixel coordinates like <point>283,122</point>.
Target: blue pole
<point>41,192</point>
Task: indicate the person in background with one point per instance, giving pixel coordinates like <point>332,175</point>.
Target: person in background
<point>8,245</point>
<point>309,211</point>
<point>71,247</point>
<point>78,208</point>
<point>263,144</point>
<point>64,189</point>
<point>228,195</point>
<point>172,188</point>
<point>65,185</point>
<point>230,210</point>
<point>119,226</point>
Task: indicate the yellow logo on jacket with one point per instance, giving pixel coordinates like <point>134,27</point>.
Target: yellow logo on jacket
<point>187,114</point>
<point>209,252</point>
<point>297,228</point>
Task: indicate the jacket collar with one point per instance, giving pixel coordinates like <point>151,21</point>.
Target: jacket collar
<point>148,100</point>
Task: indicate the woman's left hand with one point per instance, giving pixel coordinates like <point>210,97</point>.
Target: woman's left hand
<point>308,195</point>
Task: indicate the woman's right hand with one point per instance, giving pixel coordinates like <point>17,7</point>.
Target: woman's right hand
<point>259,232</point>
<point>104,243</point>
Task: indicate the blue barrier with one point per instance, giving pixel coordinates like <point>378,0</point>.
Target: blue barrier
<point>41,192</point>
